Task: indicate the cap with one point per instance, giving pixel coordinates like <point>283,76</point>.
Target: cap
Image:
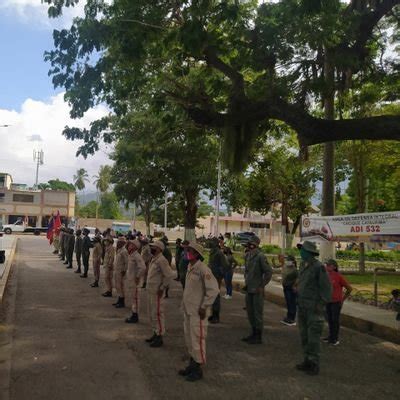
<point>311,247</point>
<point>160,245</point>
<point>331,261</point>
<point>197,248</point>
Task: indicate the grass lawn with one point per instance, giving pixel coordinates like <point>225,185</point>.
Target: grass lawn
<point>365,284</point>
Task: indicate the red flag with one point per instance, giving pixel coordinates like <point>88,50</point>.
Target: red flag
<point>57,221</point>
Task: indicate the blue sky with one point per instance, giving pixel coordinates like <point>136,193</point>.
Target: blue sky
<point>30,104</point>
<point>23,71</point>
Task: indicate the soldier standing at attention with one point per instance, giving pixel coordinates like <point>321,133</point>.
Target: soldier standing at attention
<point>313,292</point>
<point>61,255</point>
<point>78,250</point>
<point>86,245</point>
<point>200,291</point>
<point>183,263</point>
<point>56,241</point>
<point>158,279</point>
<point>66,238</point>
<point>257,275</point>
<point>108,264</point>
<point>146,254</point>
<point>70,248</point>
<point>178,254</point>
<point>121,266</point>
<point>168,255</point>
<point>218,264</point>
<point>136,270</point>
<point>96,259</point>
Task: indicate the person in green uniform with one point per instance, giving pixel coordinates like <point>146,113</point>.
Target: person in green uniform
<point>257,275</point>
<point>168,255</point>
<point>313,292</point>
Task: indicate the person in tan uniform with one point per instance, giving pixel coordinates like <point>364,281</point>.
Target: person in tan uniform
<point>96,260</point>
<point>145,252</point>
<point>108,264</point>
<point>159,278</point>
<point>136,270</point>
<point>121,266</point>
<point>201,289</point>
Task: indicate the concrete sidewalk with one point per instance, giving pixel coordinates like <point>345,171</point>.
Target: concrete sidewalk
<point>7,243</point>
<point>363,318</point>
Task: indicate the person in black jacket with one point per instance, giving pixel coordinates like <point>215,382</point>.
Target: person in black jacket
<point>86,245</point>
<point>78,250</point>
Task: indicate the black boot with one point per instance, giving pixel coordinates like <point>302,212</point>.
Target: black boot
<point>65,262</point>
<point>107,294</point>
<point>195,374</point>
<point>304,366</point>
<point>186,371</point>
<point>214,319</point>
<point>247,338</point>
<point>256,339</point>
<point>120,303</point>
<point>84,275</point>
<point>157,341</point>
<point>117,302</point>
<point>149,340</point>
<point>69,266</point>
<point>133,319</point>
<point>166,293</point>
<point>313,369</point>
<point>95,284</point>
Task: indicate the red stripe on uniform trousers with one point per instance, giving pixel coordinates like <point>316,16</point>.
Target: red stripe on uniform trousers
<point>203,359</point>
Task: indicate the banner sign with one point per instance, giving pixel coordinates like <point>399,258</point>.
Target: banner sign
<point>374,227</point>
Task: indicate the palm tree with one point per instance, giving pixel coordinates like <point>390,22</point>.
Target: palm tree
<point>80,178</point>
<point>103,179</point>
<point>102,182</point>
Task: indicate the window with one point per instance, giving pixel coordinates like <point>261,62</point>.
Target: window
<point>2,195</point>
<point>2,181</point>
<point>259,225</point>
<point>23,198</point>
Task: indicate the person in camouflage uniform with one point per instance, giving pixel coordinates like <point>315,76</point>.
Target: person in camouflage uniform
<point>313,292</point>
<point>78,250</point>
<point>257,275</point>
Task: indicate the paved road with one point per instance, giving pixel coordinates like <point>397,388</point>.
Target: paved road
<point>70,343</point>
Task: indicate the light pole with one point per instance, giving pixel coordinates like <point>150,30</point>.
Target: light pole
<point>5,126</point>
<point>38,156</point>
<point>218,200</point>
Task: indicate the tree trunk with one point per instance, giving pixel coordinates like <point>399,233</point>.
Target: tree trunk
<point>285,224</point>
<point>328,185</point>
<point>146,208</point>
<point>190,213</point>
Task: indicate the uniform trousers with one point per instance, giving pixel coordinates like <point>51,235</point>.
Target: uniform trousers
<point>255,310</point>
<point>119,283</point>
<point>135,293</point>
<point>108,278</point>
<point>333,314</point>
<point>156,312</point>
<point>310,321</point>
<point>96,269</point>
<point>78,259</point>
<point>195,336</point>
<point>85,261</point>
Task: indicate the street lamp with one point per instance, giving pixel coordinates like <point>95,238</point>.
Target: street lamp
<point>5,126</point>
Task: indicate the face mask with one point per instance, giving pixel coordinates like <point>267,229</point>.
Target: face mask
<point>191,257</point>
<point>304,254</point>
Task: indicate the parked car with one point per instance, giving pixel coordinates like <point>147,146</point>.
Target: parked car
<point>21,226</point>
<point>244,237</point>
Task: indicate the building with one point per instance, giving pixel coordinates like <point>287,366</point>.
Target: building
<point>18,201</point>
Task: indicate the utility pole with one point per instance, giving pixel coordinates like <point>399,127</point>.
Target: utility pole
<point>218,200</point>
<point>38,157</point>
<point>165,211</point>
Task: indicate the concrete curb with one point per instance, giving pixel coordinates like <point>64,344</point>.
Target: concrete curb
<point>7,270</point>
<point>359,324</point>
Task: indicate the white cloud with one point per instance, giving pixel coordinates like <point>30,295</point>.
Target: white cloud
<point>47,120</point>
<point>34,13</point>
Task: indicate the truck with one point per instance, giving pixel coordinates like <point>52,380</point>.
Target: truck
<point>21,226</point>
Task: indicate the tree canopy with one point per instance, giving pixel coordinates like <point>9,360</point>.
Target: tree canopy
<point>232,65</point>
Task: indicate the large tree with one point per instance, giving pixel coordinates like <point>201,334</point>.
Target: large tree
<point>231,64</point>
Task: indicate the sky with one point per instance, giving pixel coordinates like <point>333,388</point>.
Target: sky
<point>30,104</point>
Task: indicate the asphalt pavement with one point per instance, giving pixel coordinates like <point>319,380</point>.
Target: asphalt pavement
<point>68,342</point>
